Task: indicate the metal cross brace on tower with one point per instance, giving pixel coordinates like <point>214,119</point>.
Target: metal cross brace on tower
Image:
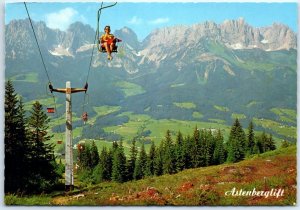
<point>69,178</point>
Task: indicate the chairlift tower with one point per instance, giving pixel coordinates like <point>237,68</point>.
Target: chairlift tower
<point>69,177</point>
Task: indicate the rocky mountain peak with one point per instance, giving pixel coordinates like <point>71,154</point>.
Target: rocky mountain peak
<point>279,36</point>
<point>162,44</point>
<point>77,35</point>
<point>19,37</point>
<point>128,36</point>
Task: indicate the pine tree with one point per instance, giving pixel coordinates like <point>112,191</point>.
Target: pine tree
<point>38,123</point>
<point>151,160</point>
<point>132,160</point>
<point>16,142</point>
<point>179,152</point>
<point>141,165</point>
<point>119,164</point>
<point>109,164</point>
<point>284,144</point>
<point>85,159</point>
<point>250,143</point>
<point>142,161</point>
<point>270,144</point>
<point>102,171</point>
<point>263,142</point>
<point>188,154</point>
<point>208,147</point>
<point>219,151</point>
<point>115,146</point>
<point>196,149</point>
<point>96,174</point>
<point>60,169</point>
<point>103,159</point>
<point>42,161</point>
<point>158,160</point>
<point>94,155</point>
<point>169,161</point>
<point>258,148</point>
<point>236,143</point>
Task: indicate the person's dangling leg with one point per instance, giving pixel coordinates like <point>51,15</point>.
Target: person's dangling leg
<point>107,48</point>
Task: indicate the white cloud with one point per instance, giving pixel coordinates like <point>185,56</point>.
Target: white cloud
<point>159,21</point>
<point>61,19</point>
<point>135,20</point>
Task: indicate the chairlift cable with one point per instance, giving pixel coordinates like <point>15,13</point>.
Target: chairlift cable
<point>90,65</point>
<point>37,43</point>
<point>95,39</point>
<point>98,21</point>
<point>44,65</point>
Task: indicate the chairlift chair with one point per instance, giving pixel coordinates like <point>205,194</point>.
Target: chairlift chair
<point>50,110</point>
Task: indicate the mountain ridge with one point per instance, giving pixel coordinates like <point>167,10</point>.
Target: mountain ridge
<point>235,34</point>
<point>151,77</point>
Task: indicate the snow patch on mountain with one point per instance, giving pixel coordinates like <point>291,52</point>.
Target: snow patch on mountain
<point>85,47</point>
<point>61,51</point>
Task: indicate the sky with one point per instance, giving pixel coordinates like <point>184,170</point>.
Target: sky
<point>146,16</point>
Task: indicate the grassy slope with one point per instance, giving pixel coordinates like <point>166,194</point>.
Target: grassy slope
<point>201,186</point>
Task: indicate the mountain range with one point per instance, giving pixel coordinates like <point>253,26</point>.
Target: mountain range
<point>234,34</point>
<point>205,71</point>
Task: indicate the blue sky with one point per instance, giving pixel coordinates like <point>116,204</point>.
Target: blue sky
<point>145,17</point>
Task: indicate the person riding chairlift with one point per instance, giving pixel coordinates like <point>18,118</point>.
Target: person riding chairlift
<point>108,41</point>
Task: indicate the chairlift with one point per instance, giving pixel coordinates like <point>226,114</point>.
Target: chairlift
<point>115,48</point>
<point>84,116</point>
<point>100,46</point>
<point>50,110</point>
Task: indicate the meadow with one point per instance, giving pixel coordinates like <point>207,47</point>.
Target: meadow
<point>206,186</point>
<point>147,129</point>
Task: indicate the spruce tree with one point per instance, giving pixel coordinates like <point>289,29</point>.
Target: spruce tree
<point>258,145</point>
<point>151,160</point>
<point>270,144</point>
<point>114,146</point>
<point>169,161</point>
<point>198,158</point>
<point>195,148</point>
<point>179,152</point>
<point>97,174</point>
<point>132,160</point>
<point>158,160</point>
<point>208,147</point>
<point>188,154</point>
<point>119,164</point>
<point>284,144</point>
<point>219,151</point>
<point>109,164</point>
<point>16,142</point>
<point>263,142</point>
<point>236,143</point>
<point>250,143</point>
<point>94,155</point>
<point>102,171</point>
<point>105,165</point>
<point>85,159</point>
<point>42,161</point>
<point>141,164</point>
